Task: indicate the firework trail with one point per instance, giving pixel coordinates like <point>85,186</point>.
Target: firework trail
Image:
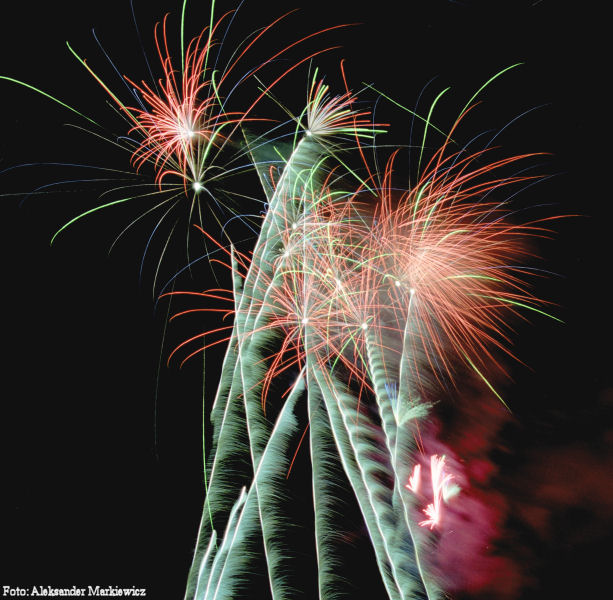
<point>373,299</point>
<point>364,295</point>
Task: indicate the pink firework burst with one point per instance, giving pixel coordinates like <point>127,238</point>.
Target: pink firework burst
<point>440,482</point>
<point>445,258</point>
<point>185,121</point>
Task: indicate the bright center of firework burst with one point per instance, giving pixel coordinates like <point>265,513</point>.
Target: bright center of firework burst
<point>187,133</point>
<point>364,326</point>
<point>397,283</point>
<point>412,291</point>
<point>294,226</point>
<point>197,186</point>
<point>305,320</point>
<point>308,133</point>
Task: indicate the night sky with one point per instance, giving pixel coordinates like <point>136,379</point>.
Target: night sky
<point>101,458</point>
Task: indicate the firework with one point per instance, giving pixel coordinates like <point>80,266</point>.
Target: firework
<point>369,300</point>
<point>364,296</point>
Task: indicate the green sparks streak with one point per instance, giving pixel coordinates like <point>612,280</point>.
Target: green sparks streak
<point>522,305</point>
<point>96,209</point>
<point>454,232</point>
<point>183,36</point>
<point>374,89</point>
<point>352,172</point>
<point>489,385</point>
<point>31,87</point>
<point>208,49</point>
<point>486,84</point>
<point>106,88</point>
<point>418,198</point>
<point>423,142</point>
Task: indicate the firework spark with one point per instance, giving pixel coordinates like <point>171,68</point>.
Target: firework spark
<point>364,292</point>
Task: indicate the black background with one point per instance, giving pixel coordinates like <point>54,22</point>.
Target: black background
<point>100,480</point>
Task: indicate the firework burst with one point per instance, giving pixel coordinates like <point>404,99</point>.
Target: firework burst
<point>364,296</point>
